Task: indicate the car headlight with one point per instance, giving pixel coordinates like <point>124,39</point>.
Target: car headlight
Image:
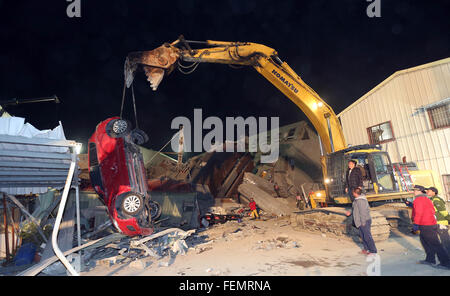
<point>327,181</point>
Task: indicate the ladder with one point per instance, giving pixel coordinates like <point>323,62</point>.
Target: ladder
<point>404,176</point>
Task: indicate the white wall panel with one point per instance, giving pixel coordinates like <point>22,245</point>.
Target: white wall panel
<point>398,99</point>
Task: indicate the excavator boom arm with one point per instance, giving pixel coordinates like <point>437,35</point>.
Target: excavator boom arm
<point>161,61</point>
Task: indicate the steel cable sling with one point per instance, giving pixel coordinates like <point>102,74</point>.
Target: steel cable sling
<point>134,102</point>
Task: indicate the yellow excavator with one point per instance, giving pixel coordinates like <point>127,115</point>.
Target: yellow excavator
<point>382,182</point>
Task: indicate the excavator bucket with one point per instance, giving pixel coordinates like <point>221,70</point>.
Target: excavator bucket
<point>155,63</point>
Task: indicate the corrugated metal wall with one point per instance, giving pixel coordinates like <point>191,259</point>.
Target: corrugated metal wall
<point>398,99</point>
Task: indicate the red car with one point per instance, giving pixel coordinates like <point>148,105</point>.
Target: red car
<point>117,173</point>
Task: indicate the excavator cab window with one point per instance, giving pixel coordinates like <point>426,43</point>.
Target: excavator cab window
<point>376,169</point>
<point>382,168</point>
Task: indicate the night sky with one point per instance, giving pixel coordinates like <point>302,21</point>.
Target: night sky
<point>333,45</point>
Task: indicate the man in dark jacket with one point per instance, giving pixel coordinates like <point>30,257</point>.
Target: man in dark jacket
<point>353,179</point>
<point>423,215</point>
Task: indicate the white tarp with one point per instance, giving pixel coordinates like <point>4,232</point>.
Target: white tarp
<point>21,142</point>
<point>16,126</point>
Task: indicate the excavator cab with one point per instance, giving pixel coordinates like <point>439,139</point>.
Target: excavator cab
<point>375,165</point>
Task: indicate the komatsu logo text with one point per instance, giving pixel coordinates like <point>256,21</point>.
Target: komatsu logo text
<point>285,81</point>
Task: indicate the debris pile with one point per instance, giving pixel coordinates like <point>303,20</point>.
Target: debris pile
<point>137,252</point>
<point>265,196</point>
<point>118,249</point>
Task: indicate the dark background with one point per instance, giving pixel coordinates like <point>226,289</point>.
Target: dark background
<point>333,45</point>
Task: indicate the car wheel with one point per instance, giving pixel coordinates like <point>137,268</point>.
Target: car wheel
<point>118,128</point>
<point>155,210</point>
<point>139,137</point>
<point>132,204</point>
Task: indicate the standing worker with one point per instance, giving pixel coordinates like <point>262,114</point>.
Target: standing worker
<point>253,208</point>
<point>442,217</point>
<point>353,179</point>
<point>415,227</point>
<point>423,215</point>
<point>363,221</point>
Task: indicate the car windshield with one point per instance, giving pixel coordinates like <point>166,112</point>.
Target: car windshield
<point>381,163</point>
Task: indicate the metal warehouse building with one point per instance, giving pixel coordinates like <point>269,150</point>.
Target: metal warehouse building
<point>409,115</point>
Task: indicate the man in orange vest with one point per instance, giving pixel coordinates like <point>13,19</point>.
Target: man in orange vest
<point>442,217</point>
<point>423,214</point>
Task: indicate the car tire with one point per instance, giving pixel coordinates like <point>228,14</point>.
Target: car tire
<point>155,210</point>
<point>132,204</point>
<point>118,128</point>
<point>139,137</point>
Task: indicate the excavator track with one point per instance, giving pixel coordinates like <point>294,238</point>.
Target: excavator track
<point>332,220</point>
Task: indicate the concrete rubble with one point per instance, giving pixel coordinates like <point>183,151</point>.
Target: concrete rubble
<point>160,249</point>
<point>265,196</point>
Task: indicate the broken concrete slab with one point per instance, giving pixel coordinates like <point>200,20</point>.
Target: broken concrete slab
<point>263,184</point>
<point>266,202</point>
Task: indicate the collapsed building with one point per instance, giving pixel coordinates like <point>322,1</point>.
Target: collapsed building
<point>296,172</point>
